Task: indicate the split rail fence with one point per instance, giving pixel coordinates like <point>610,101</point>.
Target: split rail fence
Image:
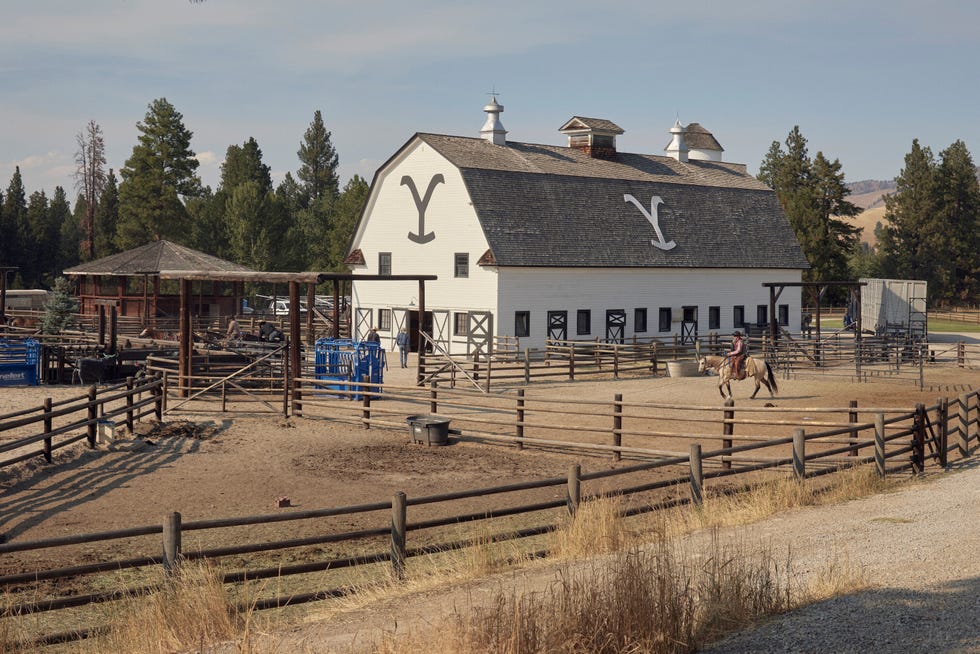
<point>734,447</point>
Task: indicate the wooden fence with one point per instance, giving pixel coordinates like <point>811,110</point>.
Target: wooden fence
<point>802,442</point>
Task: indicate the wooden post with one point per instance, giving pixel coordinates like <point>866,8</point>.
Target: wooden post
<point>961,354</point>
<point>164,391</point>
<point>520,418</point>
<point>964,428</point>
<point>224,396</point>
<point>398,534</point>
<point>799,454</point>
<point>186,349</point>
<point>158,401</point>
<point>728,430</point>
<point>618,425</point>
<point>697,475</point>
<point>615,361</point>
<point>880,444</point>
<point>571,362</point>
<point>527,365</point>
<point>171,542</point>
<point>943,431</point>
<point>129,404</point>
<point>295,344</point>
<point>573,492</point>
<point>419,373</point>
<point>92,417</point>
<point>434,397</point>
<point>919,439</point>
<point>852,417</point>
<point>47,429</point>
<point>366,403</point>
<point>310,322</point>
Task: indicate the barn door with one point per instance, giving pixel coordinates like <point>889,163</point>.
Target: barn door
<point>558,325</point>
<point>479,335</point>
<point>362,323</point>
<point>440,329</point>
<point>401,319</point>
<point>615,325</point>
<point>689,325</point>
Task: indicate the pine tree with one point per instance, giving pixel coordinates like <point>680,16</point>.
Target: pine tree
<point>36,256</point>
<point>59,310</point>
<point>958,194</point>
<point>347,211</point>
<point>908,211</point>
<point>90,180</point>
<point>107,218</point>
<point>14,230</point>
<point>318,163</point>
<point>244,164</point>
<point>59,212</point>
<point>161,169</point>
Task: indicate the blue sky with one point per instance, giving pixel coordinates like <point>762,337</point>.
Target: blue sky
<point>861,79</point>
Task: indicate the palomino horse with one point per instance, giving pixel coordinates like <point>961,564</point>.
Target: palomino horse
<point>758,369</point>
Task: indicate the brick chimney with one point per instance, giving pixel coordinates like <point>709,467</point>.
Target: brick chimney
<point>595,137</point>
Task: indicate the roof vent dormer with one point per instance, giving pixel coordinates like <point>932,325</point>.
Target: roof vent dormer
<point>493,130</point>
<point>702,144</point>
<point>677,148</point>
<point>595,137</point>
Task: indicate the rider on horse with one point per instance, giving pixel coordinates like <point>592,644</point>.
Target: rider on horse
<point>737,356</point>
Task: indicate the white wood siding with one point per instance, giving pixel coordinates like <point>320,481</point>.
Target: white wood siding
<point>542,290</point>
<point>392,214</point>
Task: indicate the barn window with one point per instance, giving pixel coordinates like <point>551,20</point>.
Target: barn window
<point>461,266</point>
<point>665,318</point>
<point>384,263</point>
<point>384,320</point>
<point>583,326</point>
<point>783,314</point>
<point>522,323</point>
<point>738,317</point>
<point>761,314</point>
<point>461,323</point>
<point>714,317</point>
<point>640,320</point>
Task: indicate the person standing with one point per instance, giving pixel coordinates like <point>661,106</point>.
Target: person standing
<point>402,342</point>
<point>374,336</point>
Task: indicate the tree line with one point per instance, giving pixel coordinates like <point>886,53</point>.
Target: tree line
<point>304,223</point>
<point>931,230</point>
<point>932,219</point>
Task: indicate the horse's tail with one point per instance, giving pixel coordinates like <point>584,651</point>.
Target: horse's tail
<point>772,378</point>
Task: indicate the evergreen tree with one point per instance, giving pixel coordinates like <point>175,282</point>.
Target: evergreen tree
<point>161,169</point>
<point>107,218</point>
<point>59,212</point>
<point>59,310</point>
<point>90,179</point>
<point>318,163</point>
<point>14,229</point>
<point>347,212</point>
<point>905,239</point>
<point>958,194</point>
<point>36,255</point>
<point>244,164</point>
<point>252,242</point>
<point>71,235</point>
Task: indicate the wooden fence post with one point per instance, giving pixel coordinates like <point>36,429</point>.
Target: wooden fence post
<point>224,396</point>
<point>852,417</point>
<point>697,475</point>
<point>617,430</point>
<point>158,398</point>
<point>961,354</point>
<point>165,390</point>
<point>366,400</point>
<point>527,365</point>
<point>799,454</point>
<point>727,430</point>
<point>963,410</point>
<point>434,397</point>
<point>573,493</point>
<point>47,429</point>
<point>880,444</point>
<point>171,542</point>
<point>919,439</point>
<point>129,404</point>
<point>571,362</point>
<point>92,416</point>
<point>398,534</point>
<point>615,360</point>
<point>943,431</point>
<point>520,418</point>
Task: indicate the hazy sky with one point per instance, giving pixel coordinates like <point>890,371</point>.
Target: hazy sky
<point>861,79</point>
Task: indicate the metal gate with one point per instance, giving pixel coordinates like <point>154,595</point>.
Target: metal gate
<point>558,325</point>
<point>479,335</point>
<point>615,325</point>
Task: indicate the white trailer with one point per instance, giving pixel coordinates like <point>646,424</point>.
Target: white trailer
<point>896,307</point>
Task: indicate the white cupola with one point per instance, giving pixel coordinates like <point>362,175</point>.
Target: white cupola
<point>493,130</point>
<point>677,148</point>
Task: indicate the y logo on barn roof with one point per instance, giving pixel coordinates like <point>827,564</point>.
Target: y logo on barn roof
<point>654,218</point>
<point>421,204</point>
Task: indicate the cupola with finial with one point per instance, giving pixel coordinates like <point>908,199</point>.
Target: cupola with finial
<point>677,148</point>
<point>493,130</point>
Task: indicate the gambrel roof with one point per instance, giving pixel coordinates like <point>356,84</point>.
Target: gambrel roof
<point>545,205</point>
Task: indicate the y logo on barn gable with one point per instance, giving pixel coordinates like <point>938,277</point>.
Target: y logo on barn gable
<point>421,204</point>
<point>654,219</point>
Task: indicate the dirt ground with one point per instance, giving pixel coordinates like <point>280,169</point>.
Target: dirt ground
<point>217,465</point>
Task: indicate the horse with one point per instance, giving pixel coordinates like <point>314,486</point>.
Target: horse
<point>759,369</point>
<point>20,322</point>
<point>158,334</point>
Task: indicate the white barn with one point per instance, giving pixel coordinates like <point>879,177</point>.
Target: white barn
<point>570,242</point>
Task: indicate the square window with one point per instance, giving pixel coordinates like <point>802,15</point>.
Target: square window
<point>384,320</point>
<point>384,263</point>
<point>738,317</point>
<point>461,323</point>
<point>639,320</point>
<point>522,323</point>
<point>714,317</point>
<point>761,314</point>
<point>783,314</point>
<point>665,319</point>
<point>583,322</point>
<point>461,265</point>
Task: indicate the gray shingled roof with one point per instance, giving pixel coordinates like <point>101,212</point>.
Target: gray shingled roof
<point>698,138</point>
<point>154,258</point>
<point>542,205</point>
